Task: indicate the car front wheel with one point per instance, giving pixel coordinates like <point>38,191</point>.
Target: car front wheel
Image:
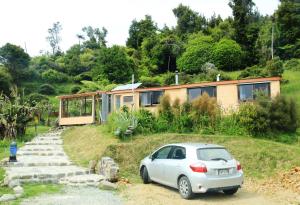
<point>230,191</point>
<point>185,188</point>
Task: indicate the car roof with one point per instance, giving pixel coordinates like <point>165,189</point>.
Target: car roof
<point>196,145</point>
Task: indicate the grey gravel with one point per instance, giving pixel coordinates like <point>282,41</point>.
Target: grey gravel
<point>76,196</point>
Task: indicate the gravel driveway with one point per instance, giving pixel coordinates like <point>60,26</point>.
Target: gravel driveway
<point>76,196</point>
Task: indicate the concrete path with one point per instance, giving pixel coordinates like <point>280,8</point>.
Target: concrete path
<point>76,195</point>
<point>44,160</point>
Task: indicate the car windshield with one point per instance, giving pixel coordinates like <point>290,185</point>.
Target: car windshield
<point>211,154</point>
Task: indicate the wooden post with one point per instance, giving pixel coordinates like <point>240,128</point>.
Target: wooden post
<point>93,108</point>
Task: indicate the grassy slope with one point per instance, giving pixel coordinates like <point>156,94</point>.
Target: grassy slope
<point>292,88</point>
<point>86,143</point>
<point>260,158</point>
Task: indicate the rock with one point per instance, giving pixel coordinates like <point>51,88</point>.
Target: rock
<point>108,168</point>
<point>6,181</point>
<point>7,197</point>
<point>18,190</point>
<point>92,166</point>
<point>13,183</point>
<point>107,185</point>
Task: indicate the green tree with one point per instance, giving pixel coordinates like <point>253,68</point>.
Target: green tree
<point>139,30</point>
<point>188,21</point>
<point>198,51</point>
<point>246,27</point>
<point>288,21</point>
<point>96,37</point>
<point>227,55</point>
<point>223,30</point>
<point>15,59</point>
<point>113,64</point>
<point>162,52</point>
<point>54,38</point>
<point>5,81</point>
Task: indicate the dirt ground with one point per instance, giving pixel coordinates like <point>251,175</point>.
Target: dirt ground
<point>155,194</point>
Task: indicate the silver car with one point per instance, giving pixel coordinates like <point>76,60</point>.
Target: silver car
<point>193,168</point>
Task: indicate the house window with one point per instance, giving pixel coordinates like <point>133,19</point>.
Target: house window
<point>150,98</point>
<point>128,99</point>
<point>250,91</point>
<point>193,93</point>
<point>118,101</point>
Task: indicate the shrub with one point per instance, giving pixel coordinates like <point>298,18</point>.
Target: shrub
<point>274,67</point>
<point>82,76</point>
<point>75,89</point>
<point>5,81</point>
<point>283,114</point>
<point>292,64</point>
<point>227,55</point>
<point>53,76</point>
<point>205,111</point>
<point>253,72</point>
<point>35,98</point>
<point>198,51</point>
<point>47,89</point>
<point>146,122</point>
<point>165,111</point>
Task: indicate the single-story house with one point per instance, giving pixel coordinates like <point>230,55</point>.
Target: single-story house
<point>88,108</point>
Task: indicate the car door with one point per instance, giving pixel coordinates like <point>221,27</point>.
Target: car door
<point>155,167</point>
<point>173,166</point>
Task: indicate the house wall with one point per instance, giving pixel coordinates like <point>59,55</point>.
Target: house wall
<point>227,97</point>
<point>77,120</point>
<point>275,88</point>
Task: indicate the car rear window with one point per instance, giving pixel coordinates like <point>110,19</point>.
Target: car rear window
<point>209,154</point>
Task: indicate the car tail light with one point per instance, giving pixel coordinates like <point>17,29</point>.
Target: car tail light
<point>201,168</point>
<point>238,166</point>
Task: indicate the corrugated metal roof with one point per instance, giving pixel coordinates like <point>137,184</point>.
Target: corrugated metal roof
<point>127,87</point>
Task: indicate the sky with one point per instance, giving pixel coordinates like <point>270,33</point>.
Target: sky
<point>26,22</point>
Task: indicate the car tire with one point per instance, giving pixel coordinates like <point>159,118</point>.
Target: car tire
<point>145,176</point>
<point>185,188</point>
<point>230,191</point>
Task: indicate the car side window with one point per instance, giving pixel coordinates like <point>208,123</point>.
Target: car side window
<point>178,153</point>
<point>163,153</point>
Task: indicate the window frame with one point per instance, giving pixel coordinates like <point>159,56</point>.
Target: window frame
<point>201,89</point>
<point>253,98</point>
<point>172,152</point>
<point>127,102</point>
<point>157,151</point>
<point>151,104</point>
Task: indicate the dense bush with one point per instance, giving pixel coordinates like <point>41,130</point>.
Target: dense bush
<point>47,89</point>
<point>146,122</point>
<point>75,89</point>
<point>53,76</point>
<point>82,76</point>
<point>5,81</point>
<point>35,98</point>
<point>273,68</point>
<point>227,55</point>
<point>269,116</point>
<point>292,64</point>
<point>198,51</point>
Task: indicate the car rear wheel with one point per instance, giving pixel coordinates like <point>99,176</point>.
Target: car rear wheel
<point>185,188</point>
<point>230,191</point>
<point>145,176</point>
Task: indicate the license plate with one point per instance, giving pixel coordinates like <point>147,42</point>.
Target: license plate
<point>223,172</point>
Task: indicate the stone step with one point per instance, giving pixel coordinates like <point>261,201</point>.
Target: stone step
<point>47,138</point>
<point>33,160</point>
<point>40,153</point>
<point>41,148</point>
<point>45,142</point>
<point>43,174</point>
<point>82,180</point>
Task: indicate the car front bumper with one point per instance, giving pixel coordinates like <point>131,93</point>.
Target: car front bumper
<point>201,183</point>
